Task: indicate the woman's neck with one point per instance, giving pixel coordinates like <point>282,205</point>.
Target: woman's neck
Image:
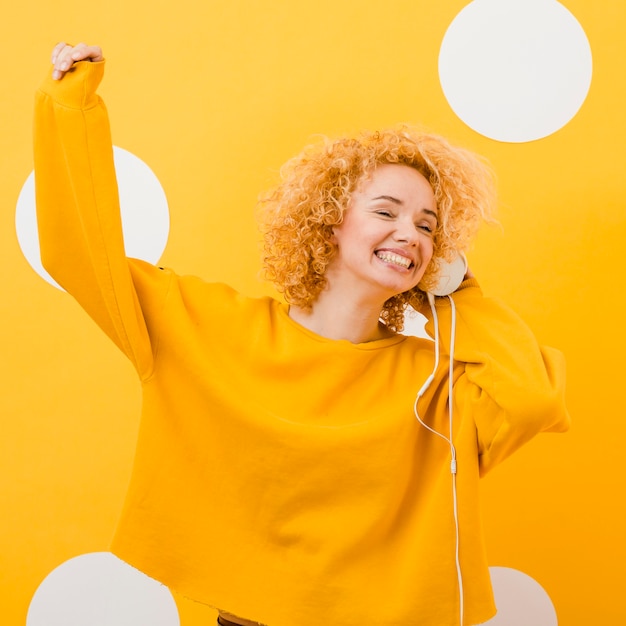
<point>335,317</point>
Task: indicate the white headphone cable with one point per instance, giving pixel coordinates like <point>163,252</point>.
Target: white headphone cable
<point>453,461</point>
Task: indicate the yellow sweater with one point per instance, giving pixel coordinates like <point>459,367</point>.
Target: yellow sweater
<point>279,475</point>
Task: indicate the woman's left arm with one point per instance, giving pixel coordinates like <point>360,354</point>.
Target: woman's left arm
<point>513,387</point>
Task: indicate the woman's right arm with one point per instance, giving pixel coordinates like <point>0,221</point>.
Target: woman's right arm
<point>78,214</point>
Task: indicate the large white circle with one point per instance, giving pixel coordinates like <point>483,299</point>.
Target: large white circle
<point>515,70</point>
<point>100,590</point>
<point>145,214</point>
<point>520,600</point>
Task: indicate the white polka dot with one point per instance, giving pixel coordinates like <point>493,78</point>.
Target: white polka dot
<point>100,590</point>
<point>145,215</point>
<point>414,323</point>
<point>520,600</point>
<point>515,70</point>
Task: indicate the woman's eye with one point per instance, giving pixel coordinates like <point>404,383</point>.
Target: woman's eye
<point>383,213</point>
<point>425,227</point>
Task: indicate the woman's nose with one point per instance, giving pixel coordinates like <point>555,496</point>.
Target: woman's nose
<point>406,232</point>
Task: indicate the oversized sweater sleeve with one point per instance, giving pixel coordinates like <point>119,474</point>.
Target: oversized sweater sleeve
<point>512,387</point>
<point>78,214</point>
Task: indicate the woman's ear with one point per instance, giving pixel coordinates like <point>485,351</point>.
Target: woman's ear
<point>334,227</point>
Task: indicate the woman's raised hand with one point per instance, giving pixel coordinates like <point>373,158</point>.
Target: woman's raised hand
<point>65,55</point>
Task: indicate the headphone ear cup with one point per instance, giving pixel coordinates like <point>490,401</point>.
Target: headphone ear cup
<point>450,276</point>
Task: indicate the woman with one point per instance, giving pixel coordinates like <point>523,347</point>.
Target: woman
<point>281,474</point>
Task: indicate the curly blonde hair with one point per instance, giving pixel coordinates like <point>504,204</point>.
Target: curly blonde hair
<point>299,214</point>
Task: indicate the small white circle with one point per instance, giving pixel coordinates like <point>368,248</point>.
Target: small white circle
<point>520,600</point>
<point>143,205</point>
<point>515,70</point>
<point>415,324</point>
<point>98,589</point>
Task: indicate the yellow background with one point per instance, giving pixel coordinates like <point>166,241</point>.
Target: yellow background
<point>214,96</point>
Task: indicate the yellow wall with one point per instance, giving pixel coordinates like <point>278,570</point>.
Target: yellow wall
<point>214,96</point>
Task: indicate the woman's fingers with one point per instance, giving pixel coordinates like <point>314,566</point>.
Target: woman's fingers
<point>82,52</point>
<point>65,55</point>
<point>56,50</point>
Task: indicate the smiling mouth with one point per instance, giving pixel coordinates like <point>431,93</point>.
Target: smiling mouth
<point>395,259</point>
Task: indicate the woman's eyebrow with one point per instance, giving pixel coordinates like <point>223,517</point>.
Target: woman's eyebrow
<point>390,198</point>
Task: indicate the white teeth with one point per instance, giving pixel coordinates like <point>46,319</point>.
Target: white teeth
<point>390,257</point>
